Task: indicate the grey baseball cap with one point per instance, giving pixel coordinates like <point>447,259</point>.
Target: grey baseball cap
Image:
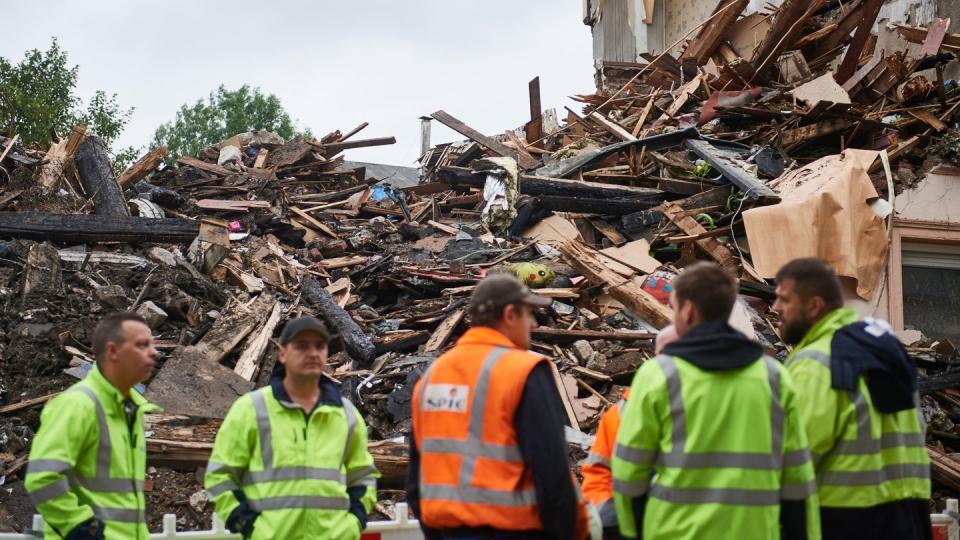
<point>499,290</point>
<point>304,324</point>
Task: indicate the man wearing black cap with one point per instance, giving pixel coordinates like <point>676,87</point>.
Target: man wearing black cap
<point>488,457</point>
<point>291,459</point>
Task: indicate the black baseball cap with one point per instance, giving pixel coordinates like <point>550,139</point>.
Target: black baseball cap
<point>304,324</point>
<point>499,290</point>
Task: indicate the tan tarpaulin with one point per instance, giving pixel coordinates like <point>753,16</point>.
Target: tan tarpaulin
<point>824,212</point>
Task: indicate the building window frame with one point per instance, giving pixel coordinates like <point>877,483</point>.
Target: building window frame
<point>909,232</point>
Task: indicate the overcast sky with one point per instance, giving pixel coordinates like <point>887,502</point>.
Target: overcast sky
<point>332,64</point>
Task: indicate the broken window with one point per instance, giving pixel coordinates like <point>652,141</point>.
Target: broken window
<point>931,289</point>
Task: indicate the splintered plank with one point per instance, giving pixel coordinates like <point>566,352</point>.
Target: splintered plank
<point>868,14</point>
<point>612,127</point>
<point>719,252</point>
<point>813,131</point>
<point>609,231</point>
<point>564,397</point>
<point>139,170</point>
<point>316,224</point>
<point>337,147</point>
<point>628,291</point>
<point>700,48</point>
<point>211,168</point>
<point>231,206</point>
<point>534,128</point>
<point>560,335</point>
<point>249,360</point>
<point>488,142</point>
<point>261,158</point>
<point>27,403</point>
<point>443,332</point>
<point>783,33</point>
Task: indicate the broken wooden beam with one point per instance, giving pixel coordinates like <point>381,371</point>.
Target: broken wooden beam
<point>534,128</point>
<point>701,48</point>
<point>357,343</point>
<point>333,149</point>
<point>59,155</point>
<point>813,131</point>
<point>593,205</point>
<point>562,335</point>
<point>628,291</point>
<point>401,341</point>
<point>144,166</point>
<point>97,179</point>
<point>27,403</point>
<point>713,247</point>
<point>250,359</point>
<point>869,9</point>
<point>92,229</point>
<point>489,142</point>
<point>211,168</point>
<point>443,332</point>
<point>542,185</point>
<point>614,128</point>
<point>787,24</point>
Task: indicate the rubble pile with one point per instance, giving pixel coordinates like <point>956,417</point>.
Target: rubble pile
<point>727,152</point>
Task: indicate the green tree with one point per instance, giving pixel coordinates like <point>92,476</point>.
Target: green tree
<point>224,114</point>
<point>37,98</point>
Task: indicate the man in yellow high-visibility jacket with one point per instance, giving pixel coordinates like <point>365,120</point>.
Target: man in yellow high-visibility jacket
<point>711,444</point>
<point>88,460</point>
<point>291,459</point>
<point>858,399</point>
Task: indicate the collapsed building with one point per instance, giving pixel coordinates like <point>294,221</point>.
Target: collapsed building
<point>757,136</point>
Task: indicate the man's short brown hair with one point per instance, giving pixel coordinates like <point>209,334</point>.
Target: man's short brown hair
<point>110,329</point>
<point>712,290</point>
<point>813,277</point>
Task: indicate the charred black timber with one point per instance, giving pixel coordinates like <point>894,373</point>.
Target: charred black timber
<point>357,343</point>
<point>610,207</point>
<point>97,179</point>
<point>90,229</point>
<point>535,185</point>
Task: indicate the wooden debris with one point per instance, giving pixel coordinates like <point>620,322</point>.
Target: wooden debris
<point>627,291</point>
<point>143,166</point>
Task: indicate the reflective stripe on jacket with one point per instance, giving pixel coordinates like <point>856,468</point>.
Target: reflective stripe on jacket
<point>712,451</point>
<point>597,477</point>
<point>293,468</point>
<point>862,457</point>
<point>88,460</point>
<point>472,473</point>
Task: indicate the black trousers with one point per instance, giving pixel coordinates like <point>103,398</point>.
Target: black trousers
<point>907,519</point>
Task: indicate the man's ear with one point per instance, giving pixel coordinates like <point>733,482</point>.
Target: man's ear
<point>509,312</point>
<point>282,355</point>
<point>815,307</point>
<point>689,312</point>
<point>110,349</point>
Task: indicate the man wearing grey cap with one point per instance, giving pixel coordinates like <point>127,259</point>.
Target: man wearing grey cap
<point>488,457</point>
<point>291,459</point>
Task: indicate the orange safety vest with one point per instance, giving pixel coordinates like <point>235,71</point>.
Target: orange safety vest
<point>597,476</point>
<point>472,473</point>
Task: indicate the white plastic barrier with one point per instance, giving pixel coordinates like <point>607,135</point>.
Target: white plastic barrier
<point>945,526</point>
<point>401,528</point>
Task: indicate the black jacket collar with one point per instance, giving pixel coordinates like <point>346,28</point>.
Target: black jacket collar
<point>715,346</point>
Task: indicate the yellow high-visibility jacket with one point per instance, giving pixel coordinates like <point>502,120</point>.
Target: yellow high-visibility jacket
<point>309,475</point>
<point>89,459</point>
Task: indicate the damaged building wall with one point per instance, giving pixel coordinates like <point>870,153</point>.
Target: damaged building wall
<point>623,30</point>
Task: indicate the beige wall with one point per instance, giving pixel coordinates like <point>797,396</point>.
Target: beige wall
<point>936,198</point>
